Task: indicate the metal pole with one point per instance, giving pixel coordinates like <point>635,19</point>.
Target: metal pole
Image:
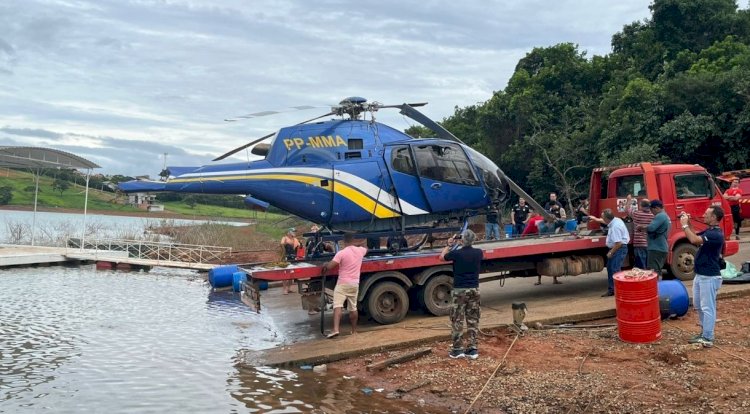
<point>85,208</point>
<point>33,217</point>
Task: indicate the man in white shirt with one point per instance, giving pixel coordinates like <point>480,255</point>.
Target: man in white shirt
<point>617,243</point>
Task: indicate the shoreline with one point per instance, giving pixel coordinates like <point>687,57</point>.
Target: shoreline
<point>144,214</point>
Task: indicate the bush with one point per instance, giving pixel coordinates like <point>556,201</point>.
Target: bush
<point>5,195</point>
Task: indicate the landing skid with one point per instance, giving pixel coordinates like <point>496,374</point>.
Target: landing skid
<point>396,241</point>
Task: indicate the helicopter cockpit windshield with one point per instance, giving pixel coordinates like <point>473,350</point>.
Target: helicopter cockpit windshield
<point>489,172</point>
<point>445,163</point>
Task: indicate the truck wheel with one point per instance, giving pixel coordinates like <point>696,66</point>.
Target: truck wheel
<point>435,296</point>
<point>683,261</point>
<point>387,302</point>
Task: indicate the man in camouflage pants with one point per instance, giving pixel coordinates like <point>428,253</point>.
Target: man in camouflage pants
<point>465,296</point>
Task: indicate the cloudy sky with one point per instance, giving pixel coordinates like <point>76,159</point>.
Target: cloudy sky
<point>121,82</point>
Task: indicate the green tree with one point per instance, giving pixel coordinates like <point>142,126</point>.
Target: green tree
<point>418,131</point>
<point>190,201</point>
<point>60,185</point>
<point>6,195</point>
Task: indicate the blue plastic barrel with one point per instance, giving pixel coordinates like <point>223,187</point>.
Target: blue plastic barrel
<point>673,298</point>
<point>571,225</point>
<point>237,279</point>
<point>221,276</point>
<point>508,231</point>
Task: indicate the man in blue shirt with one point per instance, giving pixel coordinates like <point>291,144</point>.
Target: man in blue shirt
<point>707,271</point>
<point>617,241</point>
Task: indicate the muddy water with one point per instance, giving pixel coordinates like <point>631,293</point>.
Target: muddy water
<point>77,340</point>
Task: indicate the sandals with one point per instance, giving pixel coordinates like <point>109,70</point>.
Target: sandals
<point>332,335</point>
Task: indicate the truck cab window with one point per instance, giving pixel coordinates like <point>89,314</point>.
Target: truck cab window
<point>693,186</point>
<point>631,184</point>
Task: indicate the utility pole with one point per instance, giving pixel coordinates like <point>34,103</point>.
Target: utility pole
<point>165,161</point>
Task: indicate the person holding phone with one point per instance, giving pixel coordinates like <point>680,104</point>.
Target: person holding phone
<point>465,294</point>
<point>707,271</point>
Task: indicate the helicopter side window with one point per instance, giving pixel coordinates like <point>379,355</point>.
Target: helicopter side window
<point>445,163</point>
<point>355,144</point>
<point>402,162</point>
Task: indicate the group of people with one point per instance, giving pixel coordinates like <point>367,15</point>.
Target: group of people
<point>526,221</point>
<point>651,229</point>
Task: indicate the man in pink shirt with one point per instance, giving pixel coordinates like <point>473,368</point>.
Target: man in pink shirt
<point>349,262</point>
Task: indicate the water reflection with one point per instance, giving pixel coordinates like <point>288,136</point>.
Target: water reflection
<point>79,340</point>
<point>274,390</point>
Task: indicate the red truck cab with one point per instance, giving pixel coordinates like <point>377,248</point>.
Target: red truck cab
<point>681,187</point>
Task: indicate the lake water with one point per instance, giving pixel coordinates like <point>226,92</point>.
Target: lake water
<point>52,229</point>
<point>77,340</point>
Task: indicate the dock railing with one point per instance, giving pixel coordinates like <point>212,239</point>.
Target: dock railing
<point>149,250</point>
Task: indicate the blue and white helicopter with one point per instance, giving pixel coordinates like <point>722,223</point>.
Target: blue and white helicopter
<point>351,173</point>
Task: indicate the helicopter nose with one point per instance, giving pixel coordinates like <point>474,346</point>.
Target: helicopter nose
<point>502,192</point>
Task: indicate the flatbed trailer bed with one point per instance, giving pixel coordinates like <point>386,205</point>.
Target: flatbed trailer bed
<point>391,284</point>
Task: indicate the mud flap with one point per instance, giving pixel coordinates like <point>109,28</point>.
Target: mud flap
<point>251,295</point>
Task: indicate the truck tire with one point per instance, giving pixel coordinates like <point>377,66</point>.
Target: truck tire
<point>683,261</point>
<point>387,302</point>
<point>435,295</point>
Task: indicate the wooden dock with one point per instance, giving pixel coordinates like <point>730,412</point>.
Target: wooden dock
<point>21,255</point>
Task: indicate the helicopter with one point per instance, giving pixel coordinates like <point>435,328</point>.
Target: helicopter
<point>353,174</point>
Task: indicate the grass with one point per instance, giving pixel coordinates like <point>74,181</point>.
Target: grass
<point>273,225</point>
<point>22,187</point>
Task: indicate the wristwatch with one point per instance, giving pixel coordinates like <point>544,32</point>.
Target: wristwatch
<point>684,226</point>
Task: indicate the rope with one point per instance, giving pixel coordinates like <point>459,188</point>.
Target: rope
<point>493,374</point>
<point>715,346</point>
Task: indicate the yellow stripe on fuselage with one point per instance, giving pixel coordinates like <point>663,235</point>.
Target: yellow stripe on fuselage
<point>350,193</point>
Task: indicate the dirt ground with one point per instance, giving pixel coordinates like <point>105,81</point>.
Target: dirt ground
<point>582,370</point>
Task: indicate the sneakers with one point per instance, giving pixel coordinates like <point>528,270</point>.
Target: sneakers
<point>456,353</point>
<point>471,354</point>
<point>701,340</point>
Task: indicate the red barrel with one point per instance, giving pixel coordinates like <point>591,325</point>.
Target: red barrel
<point>637,304</point>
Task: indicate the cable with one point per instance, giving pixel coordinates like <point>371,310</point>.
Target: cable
<point>493,374</point>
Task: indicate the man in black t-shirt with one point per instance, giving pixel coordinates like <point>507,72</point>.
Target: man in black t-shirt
<point>707,271</point>
<point>492,227</point>
<point>520,216</point>
<point>465,295</point>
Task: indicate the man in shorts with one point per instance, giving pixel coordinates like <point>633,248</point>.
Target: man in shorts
<point>349,262</point>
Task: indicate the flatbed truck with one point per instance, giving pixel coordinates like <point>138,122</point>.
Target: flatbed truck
<point>391,285</point>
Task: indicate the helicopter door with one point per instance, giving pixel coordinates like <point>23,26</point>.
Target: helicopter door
<point>359,193</point>
<point>447,177</point>
<point>405,181</point>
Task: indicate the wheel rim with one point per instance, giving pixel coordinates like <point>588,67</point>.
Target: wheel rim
<point>441,295</point>
<point>388,303</point>
<point>685,263</point>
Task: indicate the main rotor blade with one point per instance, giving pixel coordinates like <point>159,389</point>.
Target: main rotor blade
<point>266,113</point>
<point>250,144</point>
<point>408,110</point>
<point>238,149</point>
<point>413,105</point>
